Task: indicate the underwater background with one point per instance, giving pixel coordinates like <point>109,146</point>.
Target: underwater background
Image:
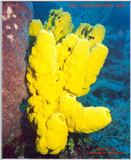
<point>112,88</point>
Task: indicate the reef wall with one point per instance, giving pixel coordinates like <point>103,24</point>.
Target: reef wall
<point>16,17</point>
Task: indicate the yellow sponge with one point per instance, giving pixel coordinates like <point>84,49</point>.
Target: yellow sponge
<point>35,27</point>
<point>63,66</point>
<point>95,34</point>
<point>83,119</point>
<point>59,23</point>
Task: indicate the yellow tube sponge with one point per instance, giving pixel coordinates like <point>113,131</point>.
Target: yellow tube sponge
<point>76,80</point>
<point>83,30</point>
<point>83,119</point>
<point>95,34</point>
<point>52,15</point>
<point>59,23</point>
<point>89,62</point>
<point>95,63</point>
<point>62,66</point>
<point>42,82</point>
<point>43,61</point>
<point>55,137</point>
<point>35,27</point>
<point>57,133</point>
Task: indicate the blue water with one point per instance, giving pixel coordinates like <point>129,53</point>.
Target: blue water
<point>112,87</point>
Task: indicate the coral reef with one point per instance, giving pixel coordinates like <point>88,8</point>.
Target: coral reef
<point>15,20</point>
<point>62,66</point>
<point>116,88</point>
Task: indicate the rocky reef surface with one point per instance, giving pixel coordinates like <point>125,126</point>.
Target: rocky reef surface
<point>16,17</point>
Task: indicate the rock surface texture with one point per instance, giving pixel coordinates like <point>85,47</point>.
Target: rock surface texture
<point>16,16</point>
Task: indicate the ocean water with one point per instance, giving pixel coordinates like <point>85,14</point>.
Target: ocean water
<point>112,88</point>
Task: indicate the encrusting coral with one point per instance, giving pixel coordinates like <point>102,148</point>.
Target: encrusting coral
<point>62,66</point>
